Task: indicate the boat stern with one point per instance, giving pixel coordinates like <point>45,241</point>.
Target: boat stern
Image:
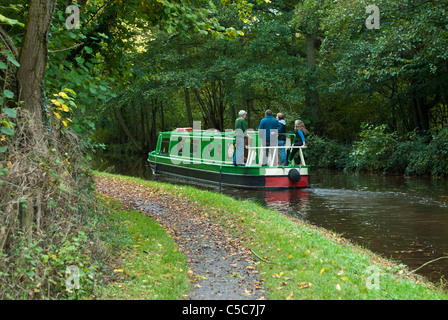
<point>287,177</point>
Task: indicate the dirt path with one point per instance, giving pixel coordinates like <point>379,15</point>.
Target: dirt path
<point>222,268</point>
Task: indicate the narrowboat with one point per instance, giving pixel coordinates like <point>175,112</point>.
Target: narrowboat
<point>208,156</point>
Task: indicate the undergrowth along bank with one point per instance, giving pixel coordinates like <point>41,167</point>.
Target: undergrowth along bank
<point>113,253</point>
<point>298,260</point>
<point>377,149</point>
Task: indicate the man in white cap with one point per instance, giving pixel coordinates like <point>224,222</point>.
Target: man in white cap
<point>240,133</point>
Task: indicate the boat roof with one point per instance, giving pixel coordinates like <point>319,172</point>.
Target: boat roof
<point>190,131</point>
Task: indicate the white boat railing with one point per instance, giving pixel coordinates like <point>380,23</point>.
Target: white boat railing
<point>272,157</point>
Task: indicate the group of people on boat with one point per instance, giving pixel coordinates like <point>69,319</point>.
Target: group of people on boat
<point>272,131</point>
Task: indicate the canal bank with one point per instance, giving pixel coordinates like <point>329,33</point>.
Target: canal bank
<point>400,218</point>
<point>292,259</point>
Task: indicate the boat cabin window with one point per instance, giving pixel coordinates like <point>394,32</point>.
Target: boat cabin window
<point>164,147</point>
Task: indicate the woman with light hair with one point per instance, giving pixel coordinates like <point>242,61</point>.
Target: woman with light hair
<point>300,131</point>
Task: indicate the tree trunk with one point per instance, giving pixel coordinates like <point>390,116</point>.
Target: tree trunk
<point>420,107</point>
<point>33,63</point>
<point>249,107</point>
<point>188,106</point>
<point>423,116</point>
<point>153,136</point>
<point>143,138</point>
<point>162,117</point>
<point>119,116</point>
<point>311,95</point>
<point>310,41</point>
<point>207,116</point>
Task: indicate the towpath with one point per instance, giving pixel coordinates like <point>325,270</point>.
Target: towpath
<point>222,267</point>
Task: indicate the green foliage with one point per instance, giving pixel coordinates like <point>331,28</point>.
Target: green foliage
<point>74,67</point>
<point>8,63</point>
<point>177,79</point>
<point>404,60</point>
<point>37,266</point>
<point>7,126</point>
<point>390,78</point>
<point>322,152</point>
<point>416,153</point>
<point>430,158</point>
<point>11,22</point>
<point>6,132</point>
<point>407,152</point>
<point>373,149</point>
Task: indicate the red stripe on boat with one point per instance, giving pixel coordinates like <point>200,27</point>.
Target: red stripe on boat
<point>281,182</point>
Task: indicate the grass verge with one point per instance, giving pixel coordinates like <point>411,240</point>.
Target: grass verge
<point>148,264</point>
<point>301,261</point>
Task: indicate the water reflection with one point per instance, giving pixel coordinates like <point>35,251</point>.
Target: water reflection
<point>405,219</point>
<point>293,201</point>
<point>405,227</point>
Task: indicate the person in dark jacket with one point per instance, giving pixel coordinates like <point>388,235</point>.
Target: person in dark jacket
<point>300,131</point>
<point>282,138</point>
<point>267,131</point>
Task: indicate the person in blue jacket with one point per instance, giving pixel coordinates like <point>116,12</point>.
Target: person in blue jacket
<point>267,131</point>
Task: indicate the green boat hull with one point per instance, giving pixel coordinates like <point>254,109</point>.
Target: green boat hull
<point>231,175</point>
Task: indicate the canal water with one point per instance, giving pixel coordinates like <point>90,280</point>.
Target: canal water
<point>403,219</point>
